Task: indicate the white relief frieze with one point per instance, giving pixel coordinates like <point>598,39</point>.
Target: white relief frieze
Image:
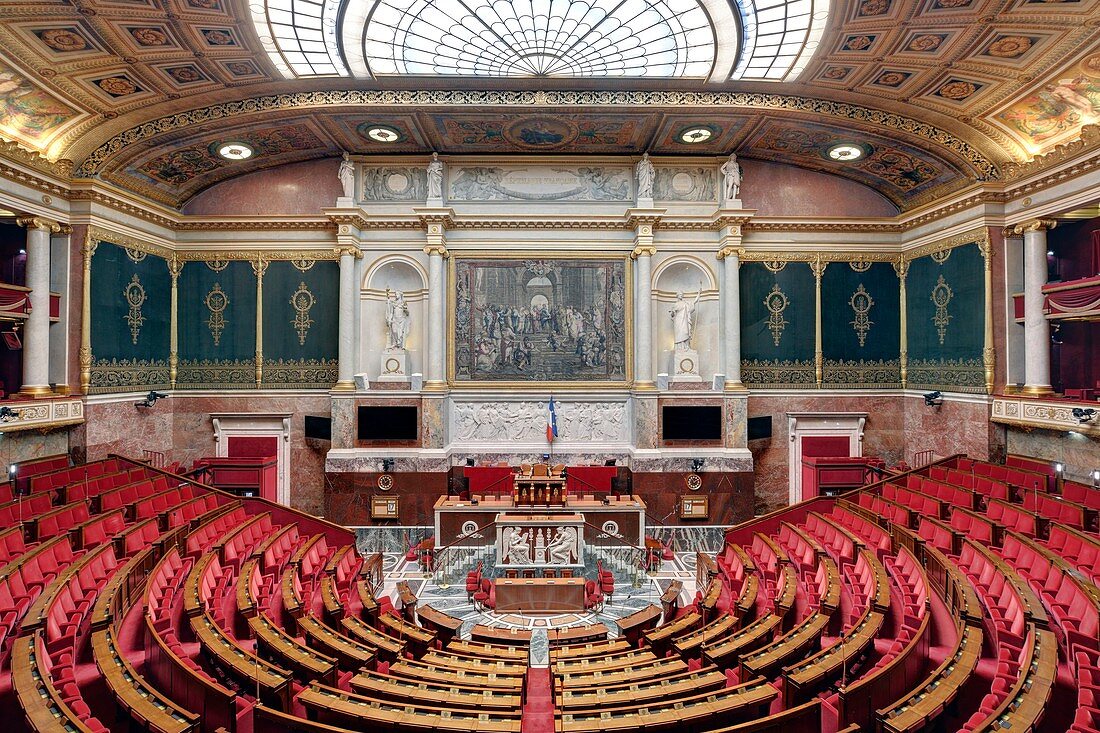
<point>525,422</point>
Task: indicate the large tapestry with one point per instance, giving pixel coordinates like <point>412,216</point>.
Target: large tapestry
<point>547,320</point>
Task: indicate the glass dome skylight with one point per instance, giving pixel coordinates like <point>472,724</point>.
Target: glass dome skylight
<point>710,40</point>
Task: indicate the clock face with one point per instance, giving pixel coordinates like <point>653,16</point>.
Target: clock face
<point>385,482</point>
<point>694,481</point>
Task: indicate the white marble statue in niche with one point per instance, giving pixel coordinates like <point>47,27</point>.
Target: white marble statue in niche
<point>731,182</point>
<point>435,178</point>
<point>519,547</point>
<point>397,322</point>
<point>346,174</point>
<point>643,170</point>
<point>683,319</point>
<point>563,548</point>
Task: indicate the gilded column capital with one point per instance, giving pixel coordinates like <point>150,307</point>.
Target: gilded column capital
<point>901,268</point>
<point>1035,225</point>
<point>175,266</point>
<point>818,267</point>
<point>347,250</point>
<point>40,222</point>
<point>643,251</point>
<point>437,249</point>
<point>259,266</point>
<point>730,251</point>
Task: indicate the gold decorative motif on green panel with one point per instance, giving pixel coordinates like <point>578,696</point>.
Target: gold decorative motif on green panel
<point>877,373</point>
<point>778,373</point>
<point>302,301</point>
<point>216,373</point>
<point>861,303</point>
<point>134,294</point>
<point>860,265</point>
<point>957,375</point>
<point>303,265</point>
<point>217,265</point>
<point>135,255</point>
<point>941,298</point>
<point>216,302</point>
<point>300,373</point>
<point>776,302</point>
<point>121,375</point>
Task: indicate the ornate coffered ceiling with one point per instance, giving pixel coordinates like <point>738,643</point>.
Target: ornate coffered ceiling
<point>941,92</point>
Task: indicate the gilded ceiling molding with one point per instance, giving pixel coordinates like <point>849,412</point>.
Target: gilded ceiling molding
<point>113,202</point>
<point>982,197</point>
<point>289,225</point>
<point>984,168</point>
<point>18,175</point>
<point>251,255</point>
<point>978,235</point>
<point>16,153</point>
<point>823,256</point>
<point>777,226</point>
<point>98,234</point>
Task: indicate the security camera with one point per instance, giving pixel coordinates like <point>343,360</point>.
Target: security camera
<point>151,399</point>
<point>1084,414</point>
<point>933,399</point>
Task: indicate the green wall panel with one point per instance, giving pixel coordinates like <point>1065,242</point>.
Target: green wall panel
<point>946,335</point>
<point>301,324</point>
<point>130,306</point>
<point>777,344</point>
<point>860,351</point>
<point>217,325</point>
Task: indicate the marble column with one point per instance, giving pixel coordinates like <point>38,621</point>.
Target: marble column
<point>348,303</point>
<point>36,334</point>
<point>60,245</point>
<point>731,316</point>
<point>436,251</point>
<point>643,327</point>
<point>1036,326</point>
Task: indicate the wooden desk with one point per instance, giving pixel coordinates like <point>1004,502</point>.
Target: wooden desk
<point>661,637</point>
<point>273,643</point>
<point>576,635</point>
<point>654,691</point>
<point>419,639</point>
<point>408,599</point>
<point>629,660</point>
<point>589,650</point>
<point>245,667</point>
<point>384,646</point>
<point>688,645</point>
<point>445,626</point>
<point>728,651</point>
<point>670,599</point>
<point>386,687</point>
<point>595,676</point>
<point>140,700</point>
<point>540,595</point>
<point>488,651</point>
<point>348,653</point>
<point>41,703</point>
<point>495,635</point>
<point>420,671</point>
<point>639,622</point>
<point>767,661</point>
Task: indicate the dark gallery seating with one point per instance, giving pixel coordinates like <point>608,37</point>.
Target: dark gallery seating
<point>960,596</point>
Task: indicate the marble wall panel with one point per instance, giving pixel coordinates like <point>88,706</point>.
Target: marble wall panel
<point>884,436</point>
<point>27,444</point>
<point>1080,453</point>
<point>296,189</point>
<point>123,428</point>
<point>775,189</point>
<point>193,437</point>
<point>953,427</point>
<point>730,496</point>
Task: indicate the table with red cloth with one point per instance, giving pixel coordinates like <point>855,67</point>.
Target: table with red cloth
<point>590,479</point>
<point>497,479</point>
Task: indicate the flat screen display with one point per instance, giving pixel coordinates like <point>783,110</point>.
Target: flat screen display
<point>388,422</point>
<point>318,427</point>
<point>691,422</point>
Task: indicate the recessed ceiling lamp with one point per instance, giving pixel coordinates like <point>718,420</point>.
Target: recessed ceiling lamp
<point>846,152</point>
<point>695,135</point>
<point>235,151</point>
<point>383,134</point>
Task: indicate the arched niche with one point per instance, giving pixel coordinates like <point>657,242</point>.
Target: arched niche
<point>382,277</point>
<point>690,275</point>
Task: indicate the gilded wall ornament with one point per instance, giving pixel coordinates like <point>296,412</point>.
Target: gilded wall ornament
<point>776,302</point>
<point>940,257</point>
<point>860,265</point>
<point>941,297</point>
<point>302,301</point>
<point>774,265</point>
<point>217,265</point>
<point>303,264</point>
<point>216,302</point>
<point>135,255</point>
<point>861,302</point>
<point>134,293</point>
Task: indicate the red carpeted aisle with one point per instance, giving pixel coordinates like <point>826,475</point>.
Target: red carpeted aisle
<point>538,710</point>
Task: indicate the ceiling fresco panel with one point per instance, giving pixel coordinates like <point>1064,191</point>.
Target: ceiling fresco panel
<point>726,129</point>
<point>550,131</point>
<point>1055,111</point>
<point>27,113</point>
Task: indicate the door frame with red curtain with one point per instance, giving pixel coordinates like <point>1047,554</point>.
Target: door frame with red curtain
<point>257,425</point>
<point>824,425</point>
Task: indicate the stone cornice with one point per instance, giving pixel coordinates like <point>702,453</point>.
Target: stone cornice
<point>1088,141</point>
<point>979,235</point>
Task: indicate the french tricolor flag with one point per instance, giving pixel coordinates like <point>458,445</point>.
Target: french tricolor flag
<point>551,422</point>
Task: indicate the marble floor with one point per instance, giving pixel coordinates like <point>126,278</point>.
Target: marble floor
<point>629,596</point>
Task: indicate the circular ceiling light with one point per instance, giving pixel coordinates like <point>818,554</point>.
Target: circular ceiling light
<point>383,134</point>
<point>695,135</point>
<point>846,152</point>
<point>235,151</point>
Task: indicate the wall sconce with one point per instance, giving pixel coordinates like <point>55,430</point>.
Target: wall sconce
<point>151,399</point>
<point>933,399</point>
<point>1084,414</point>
